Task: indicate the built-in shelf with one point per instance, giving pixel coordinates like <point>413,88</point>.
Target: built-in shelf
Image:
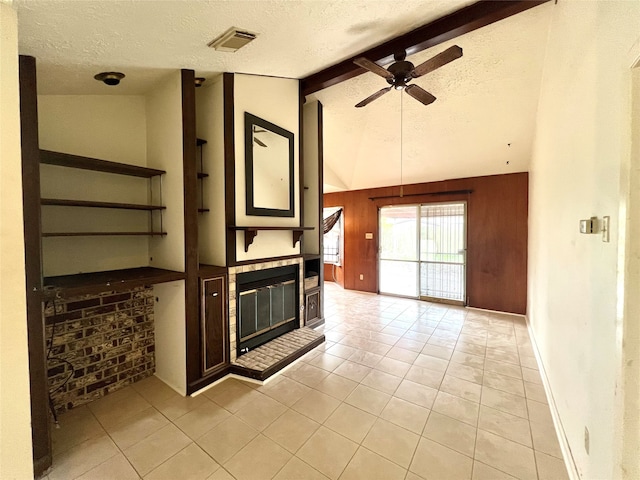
<point>91,204</point>
<point>202,175</point>
<point>103,234</point>
<point>251,232</point>
<point>87,163</point>
<point>203,210</point>
<point>113,280</point>
<point>200,141</point>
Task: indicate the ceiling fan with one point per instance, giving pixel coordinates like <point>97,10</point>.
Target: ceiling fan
<point>401,72</point>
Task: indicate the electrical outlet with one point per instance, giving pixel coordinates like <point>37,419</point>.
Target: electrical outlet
<point>605,228</point>
<point>361,277</point>
<point>586,440</point>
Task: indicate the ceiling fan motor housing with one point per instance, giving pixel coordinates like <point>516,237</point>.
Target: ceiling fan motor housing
<point>401,72</point>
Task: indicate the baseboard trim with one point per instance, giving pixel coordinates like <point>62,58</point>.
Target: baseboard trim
<point>569,462</point>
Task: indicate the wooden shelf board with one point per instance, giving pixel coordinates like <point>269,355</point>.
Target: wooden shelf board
<point>91,204</point>
<point>202,175</point>
<point>203,210</point>
<point>235,227</point>
<point>251,232</point>
<point>86,163</point>
<point>118,280</point>
<point>95,234</point>
<point>200,141</point>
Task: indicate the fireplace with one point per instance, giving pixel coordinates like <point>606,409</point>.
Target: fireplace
<point>268,303</point>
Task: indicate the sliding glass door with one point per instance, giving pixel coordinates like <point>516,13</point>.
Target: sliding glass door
<point>443,252</point>
<point>423,251</point>
<point>399,250</point>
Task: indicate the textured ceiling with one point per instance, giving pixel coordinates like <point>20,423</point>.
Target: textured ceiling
<point>484,116</point>
<point>72,40</point>
<point>482,122</point>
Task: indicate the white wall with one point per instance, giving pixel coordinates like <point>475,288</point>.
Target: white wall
<point>582,138</point>
<point>164,151</point>
<point>170,335</point>
<point>277,101</point>
<point>210,127</point>
<point>105,127</point>
<point>311,177</point>
<point>15,416</point>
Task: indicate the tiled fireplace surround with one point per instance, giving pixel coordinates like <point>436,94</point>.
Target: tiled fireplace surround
<point>233,272</point>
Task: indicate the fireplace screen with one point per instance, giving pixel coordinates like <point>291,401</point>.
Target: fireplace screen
<point>266,308</point>
<point>267,305</point>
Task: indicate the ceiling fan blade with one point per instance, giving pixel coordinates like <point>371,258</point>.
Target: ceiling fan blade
<point>259,142</point>
<point>420,94</point>
<point>449,55</point>
<point>371,98</point>
<point>373,67</point>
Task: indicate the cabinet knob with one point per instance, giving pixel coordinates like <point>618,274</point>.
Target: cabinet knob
<point>215,294</point>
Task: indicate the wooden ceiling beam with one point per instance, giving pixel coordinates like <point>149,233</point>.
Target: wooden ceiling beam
<point>465,20</point>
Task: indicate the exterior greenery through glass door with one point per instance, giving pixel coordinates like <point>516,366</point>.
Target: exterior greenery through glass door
<point>423,250</point>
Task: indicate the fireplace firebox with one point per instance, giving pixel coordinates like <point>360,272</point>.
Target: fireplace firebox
<point>268,303</point>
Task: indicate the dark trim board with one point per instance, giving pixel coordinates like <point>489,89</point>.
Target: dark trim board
<point>229,166</point>
<point>451,26</point>
<point>320,211</point>
<point>40,428</point>
<point>190,179</point>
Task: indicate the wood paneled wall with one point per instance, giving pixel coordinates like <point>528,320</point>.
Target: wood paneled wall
<point>496,235</point>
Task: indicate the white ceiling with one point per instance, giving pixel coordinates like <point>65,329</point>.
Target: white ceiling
<point>486,100</point>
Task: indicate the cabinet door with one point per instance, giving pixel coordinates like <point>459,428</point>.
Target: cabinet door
<point>214,331</point>
<point>312,306</point>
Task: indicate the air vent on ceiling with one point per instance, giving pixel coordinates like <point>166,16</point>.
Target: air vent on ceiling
<point>232,40</point>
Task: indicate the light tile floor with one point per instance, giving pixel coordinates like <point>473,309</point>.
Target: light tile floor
<point>402,389</point>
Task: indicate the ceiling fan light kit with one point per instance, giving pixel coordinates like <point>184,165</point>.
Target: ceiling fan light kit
<point>401,72</point>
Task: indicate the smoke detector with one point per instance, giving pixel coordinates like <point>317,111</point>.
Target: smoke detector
<point>232,40</point>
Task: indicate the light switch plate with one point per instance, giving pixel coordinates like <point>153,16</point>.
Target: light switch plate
<point>589,226</point>
<point>605,229</point>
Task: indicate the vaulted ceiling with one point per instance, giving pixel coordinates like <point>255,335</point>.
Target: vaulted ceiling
<point>483,118</point>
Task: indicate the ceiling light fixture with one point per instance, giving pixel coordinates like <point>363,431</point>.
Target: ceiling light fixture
<point>199,81</point>
<point>232,40</point>
<point>109,78</point>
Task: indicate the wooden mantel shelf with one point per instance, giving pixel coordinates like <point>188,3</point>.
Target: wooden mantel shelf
<point>251,232</point>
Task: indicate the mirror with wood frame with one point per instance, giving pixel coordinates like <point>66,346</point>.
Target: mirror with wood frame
<point>268,168</point>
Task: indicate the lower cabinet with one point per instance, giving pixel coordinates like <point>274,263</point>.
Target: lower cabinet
<point>312,306</point>
<point>213,314</point>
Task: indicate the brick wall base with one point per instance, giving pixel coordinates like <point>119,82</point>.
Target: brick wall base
<point>97,344</point>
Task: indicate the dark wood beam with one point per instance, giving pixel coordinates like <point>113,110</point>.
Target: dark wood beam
<point>441,30</point>
<point>38,382</point>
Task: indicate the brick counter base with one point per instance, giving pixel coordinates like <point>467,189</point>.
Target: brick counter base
<point>108,340</point>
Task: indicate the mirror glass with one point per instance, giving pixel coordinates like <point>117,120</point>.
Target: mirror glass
<point>269,168</point>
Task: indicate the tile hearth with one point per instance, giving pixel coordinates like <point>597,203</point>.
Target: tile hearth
<point>401,389</point>
<point>279,349</point>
